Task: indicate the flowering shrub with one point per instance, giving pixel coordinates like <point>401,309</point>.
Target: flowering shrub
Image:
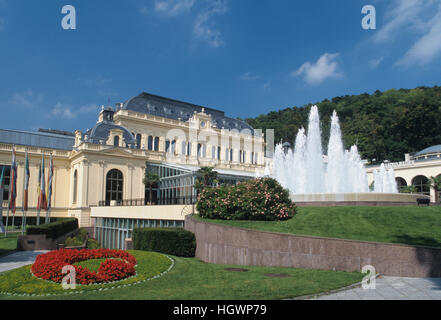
<point>48,266</point>
<point>258,199</point>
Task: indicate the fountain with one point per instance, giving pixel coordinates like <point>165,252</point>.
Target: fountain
<point>339,176</point>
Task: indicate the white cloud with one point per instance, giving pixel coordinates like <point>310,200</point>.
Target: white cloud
<point>27,99</point>
<point>172,8</point>
<point>89,108</point>
<point>65,111</point>
<point>204,27</point>
<point>428,46</point>
<point>402,14</point>
<point>325,67</point>
<point>420,18</point>
<point>267,86</point>
<point>374,63</point>
<point>62,111</point>
<point>248,76</point>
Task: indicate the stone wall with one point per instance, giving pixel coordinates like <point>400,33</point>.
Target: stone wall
<point>228,245</point>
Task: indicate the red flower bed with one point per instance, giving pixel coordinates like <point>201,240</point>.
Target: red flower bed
<point>48,266</point>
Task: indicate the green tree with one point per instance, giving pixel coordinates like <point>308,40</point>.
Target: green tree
<point>206,177</point>
<point>435,183</point>
<point>408,189</point>
<point>150,178</point>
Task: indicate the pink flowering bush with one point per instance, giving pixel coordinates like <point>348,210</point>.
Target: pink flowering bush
<point>258,199</point>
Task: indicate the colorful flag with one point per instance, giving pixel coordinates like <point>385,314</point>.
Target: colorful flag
<point>39,188</point>
<point>2,176</point>
<point>26,183</point>
<point>13,183</point>
<point>49,183</point>
<point>43,202</point>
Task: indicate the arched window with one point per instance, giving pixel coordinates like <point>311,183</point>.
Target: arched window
<point>114,186</point>
<point>150,143</point>
<point>420,182</point>
<point>156,144</point>
<point>6,180</point>
<point>75,186</point>
<point>138,141</point>
<point>184,148</point>
<point>167,146</point>
<point>116,141</point>
<point>401,183</point>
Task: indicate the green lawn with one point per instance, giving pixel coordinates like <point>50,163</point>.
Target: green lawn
<point>9,243</point>
<point>408,224</point>
<point>192,279</point>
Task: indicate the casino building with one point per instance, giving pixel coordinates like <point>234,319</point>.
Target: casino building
<point>416,170</point>
<point>98,174</point>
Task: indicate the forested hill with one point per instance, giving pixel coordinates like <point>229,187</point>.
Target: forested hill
<point>384,125</point>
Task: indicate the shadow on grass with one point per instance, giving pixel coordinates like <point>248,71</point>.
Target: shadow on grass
<point>418,241</point>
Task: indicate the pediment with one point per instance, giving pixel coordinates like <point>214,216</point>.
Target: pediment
<point>116,152</point>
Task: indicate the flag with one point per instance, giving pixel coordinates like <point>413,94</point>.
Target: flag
<point>49,182</point>
<point>13,183</point>
<point>26,183</point>
<point>2,176</point>
<point>42,197</point>
<point>39,188</point>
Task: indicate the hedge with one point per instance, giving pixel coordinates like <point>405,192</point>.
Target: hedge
<point>174,241</point>
<point>54,229</point>
<point>29,220</point>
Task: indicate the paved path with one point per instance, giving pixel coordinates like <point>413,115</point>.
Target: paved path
<point>18,259</point>
<point>392,288</point>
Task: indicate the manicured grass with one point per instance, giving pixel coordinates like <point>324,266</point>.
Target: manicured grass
<point>408,224</point>
<point>92,264</point>
<point>192,279</point>
<point>21,281</point>
<point>8,243</point>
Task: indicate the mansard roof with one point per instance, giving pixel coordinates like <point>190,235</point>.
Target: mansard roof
<point>174,109</point>
<point>37,139</point>
<point>101,131</point>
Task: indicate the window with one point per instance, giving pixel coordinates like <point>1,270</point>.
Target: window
<point>420,182</point>
<point>138,141</point>
<point>116,141</point>
<point>114,186</point>
<point>401,183</point>
<point>5,181</point>
<point>184,148</point>
<point>75,186</point>
<point>167,146</point>
<point>150,143</point>
<point>156,147</point>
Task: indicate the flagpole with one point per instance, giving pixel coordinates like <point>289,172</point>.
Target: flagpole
<point>2,226</point>
<point>7,211</point>
<point>25,195</point>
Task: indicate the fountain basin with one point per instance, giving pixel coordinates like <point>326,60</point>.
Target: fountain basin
<point>356,199</point>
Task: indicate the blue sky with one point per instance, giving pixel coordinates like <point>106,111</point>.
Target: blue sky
<point>246,57</point>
